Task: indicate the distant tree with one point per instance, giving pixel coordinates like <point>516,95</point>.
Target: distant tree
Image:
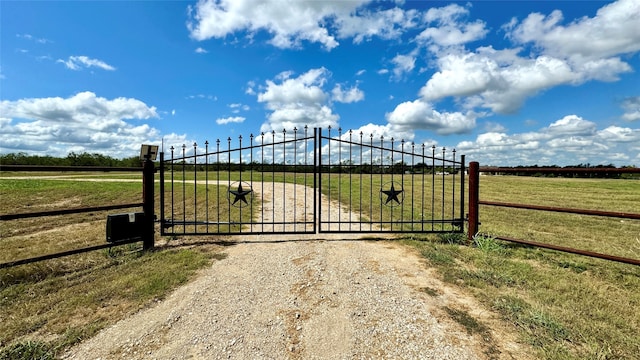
<point>72,159</point>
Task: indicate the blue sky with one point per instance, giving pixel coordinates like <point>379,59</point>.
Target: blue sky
<point>504,82</point>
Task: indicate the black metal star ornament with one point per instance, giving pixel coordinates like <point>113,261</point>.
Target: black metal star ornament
<point>240,194</point>
<point>392,194</point>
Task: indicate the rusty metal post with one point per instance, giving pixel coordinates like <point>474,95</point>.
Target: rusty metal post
<point>474,195</point>
<point>148,204</point>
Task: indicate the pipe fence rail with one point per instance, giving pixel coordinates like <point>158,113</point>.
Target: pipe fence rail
<point>147,204</point>
<point>475,202</point>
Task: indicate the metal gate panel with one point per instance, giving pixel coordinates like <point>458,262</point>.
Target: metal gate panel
<point>380,185</point>
<point>265,185</point>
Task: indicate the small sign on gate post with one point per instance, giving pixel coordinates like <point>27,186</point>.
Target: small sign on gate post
<point>148,152</point>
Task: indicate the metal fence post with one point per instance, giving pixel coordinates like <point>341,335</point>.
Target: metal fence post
<point>474,194</point>
<point>148,197</point>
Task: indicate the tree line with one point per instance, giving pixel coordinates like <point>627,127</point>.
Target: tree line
<point>587,170</point>
<point>95,159</point>
<point>72,159</point>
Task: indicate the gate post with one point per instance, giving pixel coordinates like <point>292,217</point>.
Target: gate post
<point>474,194</point>
<point>148,204</point>
<point>162,193</point>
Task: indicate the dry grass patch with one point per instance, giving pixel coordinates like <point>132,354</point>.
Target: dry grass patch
<point>48,306</point>
<point>61,302</point>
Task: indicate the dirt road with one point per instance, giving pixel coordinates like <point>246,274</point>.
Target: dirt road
<point>277,297</point>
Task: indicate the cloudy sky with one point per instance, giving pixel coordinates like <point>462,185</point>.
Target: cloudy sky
<point>504,82</point>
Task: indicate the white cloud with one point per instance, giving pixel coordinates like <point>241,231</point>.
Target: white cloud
<point>347,96</point>
<point>78,62</point>
<point>83,121</point>
<point>229,120</point>
<point>33,38</point>
<point>288,22</point>
<point>494,127</point>
<point>450,30</point>
<point>291,23</point>
<point>237,107</point>
<point>568,141</point>
<point>202,97</point>
<point>419,115</point>
<point>612,31</point>
<point>501,80</point>
<point>372,131</point>
<point>572,125</point>
<point>305,89</point>
<point>250,88</point>
<point>385,24</point>
<point>619,135</point>
<point>296,102</point>
<point>403,64</point>
<point>201,51</point>
<point>631,108</point>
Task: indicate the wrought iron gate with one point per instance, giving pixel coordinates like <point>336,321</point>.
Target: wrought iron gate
<point>307,182</point>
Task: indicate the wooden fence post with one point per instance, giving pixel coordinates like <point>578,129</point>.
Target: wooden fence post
<point>474,194</point>
<point>148,197</point>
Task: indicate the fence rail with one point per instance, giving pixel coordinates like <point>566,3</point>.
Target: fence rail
<point>621,215</point>
<point>557,170</point>
<point>46,168</point>
<point>147,205</point>
<point>475,202</point>
<point>67,211</point>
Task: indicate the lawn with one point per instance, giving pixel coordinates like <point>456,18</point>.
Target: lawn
<point>48,306</point>
<point>565,306</point>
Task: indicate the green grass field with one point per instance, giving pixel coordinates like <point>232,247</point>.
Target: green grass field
<point>565,306</point>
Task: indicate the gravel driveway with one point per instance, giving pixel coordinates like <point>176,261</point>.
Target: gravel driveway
<point>300,297</point>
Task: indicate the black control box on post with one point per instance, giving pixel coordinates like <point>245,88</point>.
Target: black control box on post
<point>125,227</point>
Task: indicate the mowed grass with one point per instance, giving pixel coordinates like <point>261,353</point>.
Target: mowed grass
<point>565,306</point>
<point>424,200</point>
<point>46,307</point>
<point>614,236</point>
